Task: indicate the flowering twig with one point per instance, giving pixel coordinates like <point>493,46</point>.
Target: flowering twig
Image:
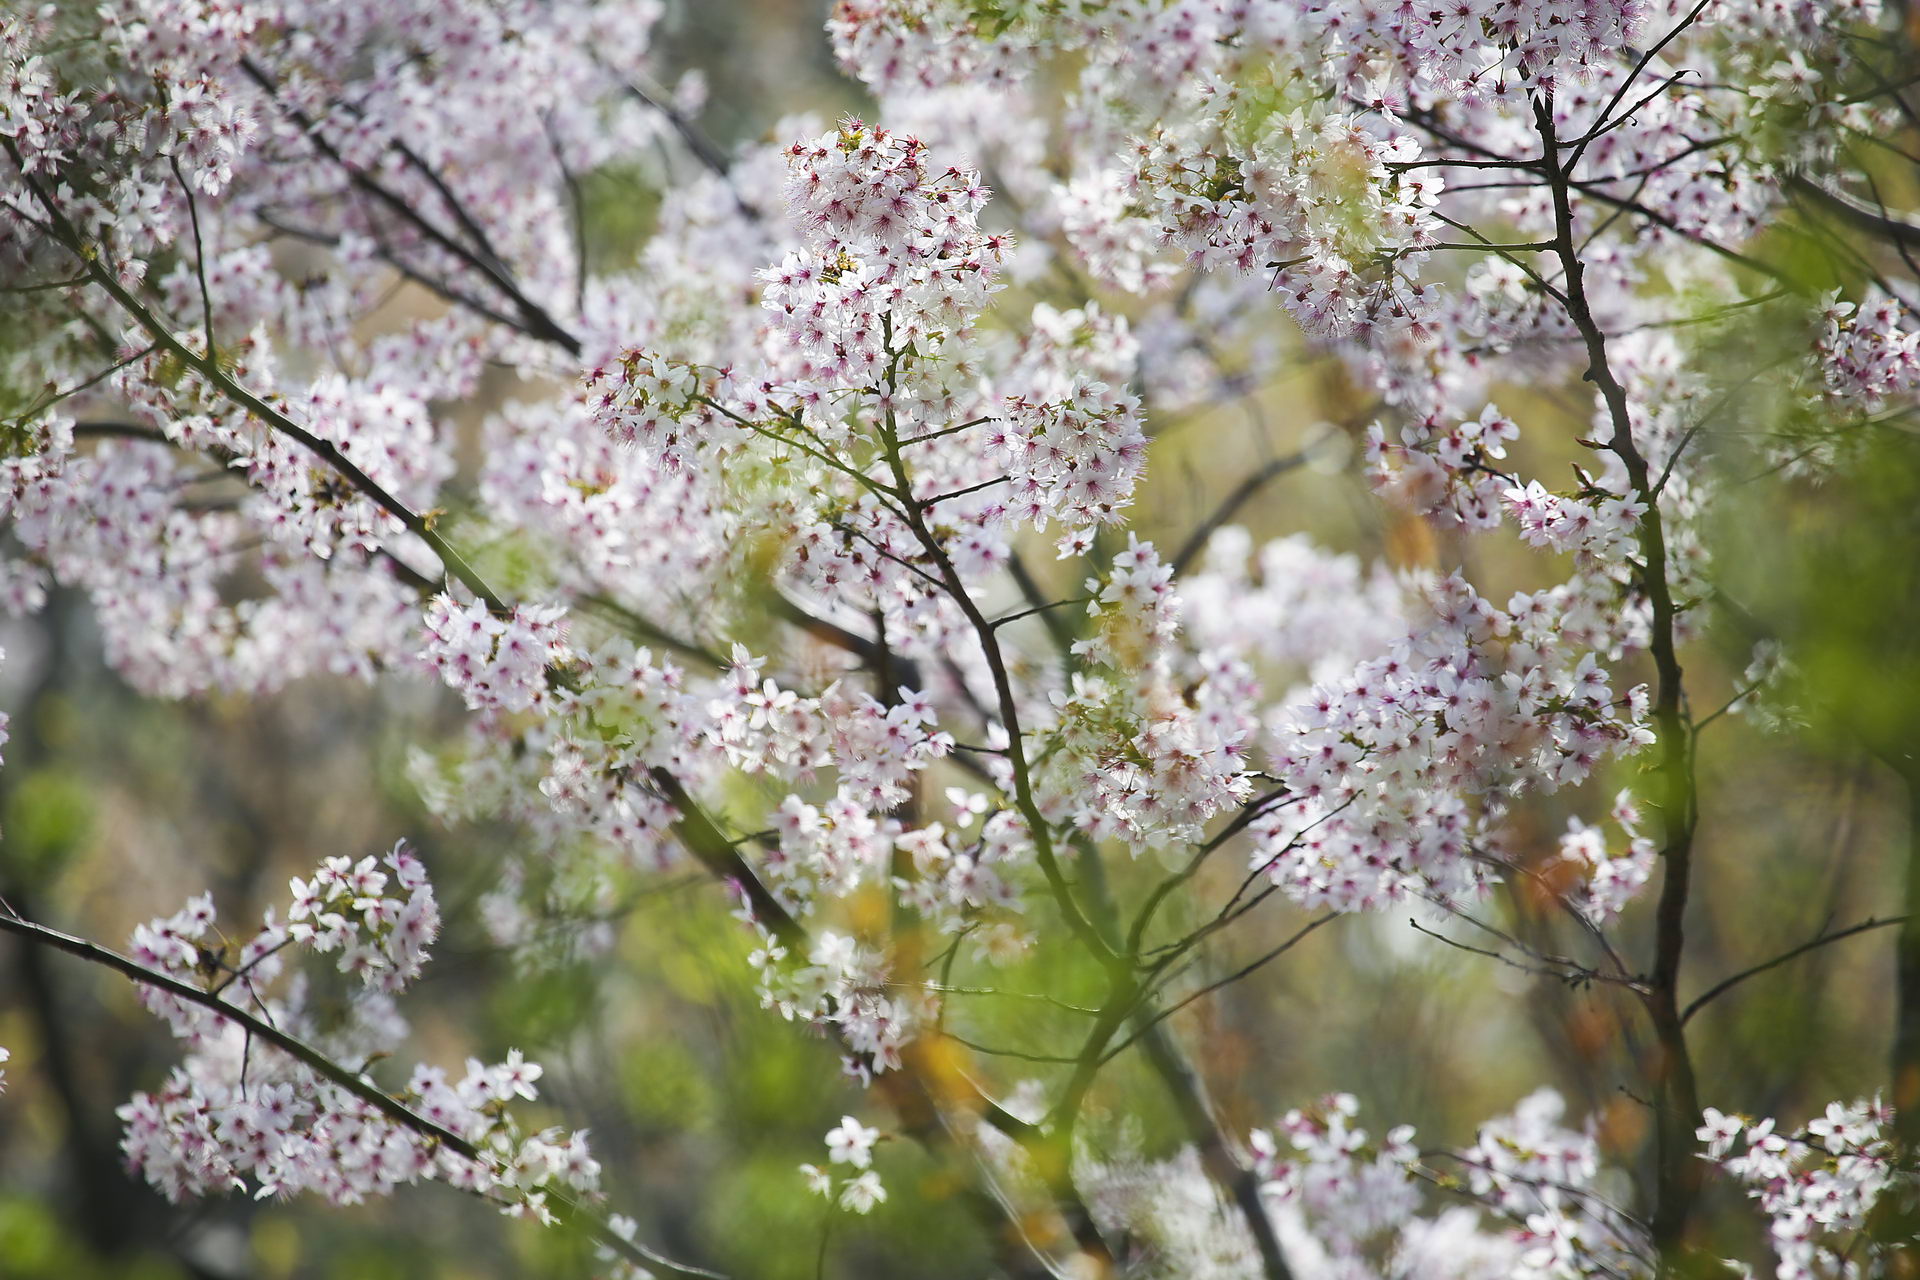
<point>1672,1071</point>
<point>1821,939</point>
<point>320,1064</point>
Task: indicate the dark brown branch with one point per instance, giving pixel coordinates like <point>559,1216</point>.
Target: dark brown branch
<point>1906,1022</point>
<point>1030,590</point>
<point>1728,983</point>
<point>1877,222</point>
<point>1019,1054</point>
<point>535,320</point>
<point>1242,493</point>
<point>913,1091</point>
<point>1645,60</point>
<point>1226,1165</point>
<point>870,652</point>
<point>321,1065</point>
<point>1247,816</point>
<point>703,148</point>
<point>1559,968</point>
<point>721,857</point>
<point>209,369</point>
<point>433,284</point>
<point>640,627</point>
<point>1677,1103</point>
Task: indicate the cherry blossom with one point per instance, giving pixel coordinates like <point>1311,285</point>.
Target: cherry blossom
<point>750,578</point>
<point>1816,1187</point>
<point>244,1115</point>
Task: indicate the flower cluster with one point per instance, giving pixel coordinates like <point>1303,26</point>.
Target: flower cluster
<point>1347,1189</point>
<point>660,405</point>
<point>345,908</point>
<point>1074,460</point>
<point>1771,690</point>
<point>1399,768</point>
<point>1453,475</point>
<point>1541,1175</point>
<point>842,984</point>
<point>1142,759</point>
<point>895,46</point>
<point>1610,880</point>
<point>1176,1218</point>
<point>1597,523</point>
<point>245,1112</point>
<point>1869,354</point>
<point>498,663</point>
<point>1350,1205</point>
<point>1118,250</point>
<point>1291,604</point>
<point>962,881</point>
<point>1817,1187</point>
<point>850,1144</point>
<point>1312,198</point>
<point>894,257</point>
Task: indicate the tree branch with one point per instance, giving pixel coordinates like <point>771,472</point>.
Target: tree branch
<point>1677,1109</point>
<point>1728,983</point>
<point>321,1065</point>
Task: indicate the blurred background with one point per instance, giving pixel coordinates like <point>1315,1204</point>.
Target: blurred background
<point>115,809</point>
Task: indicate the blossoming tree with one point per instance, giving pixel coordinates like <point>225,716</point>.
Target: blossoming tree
<point>806,559</point>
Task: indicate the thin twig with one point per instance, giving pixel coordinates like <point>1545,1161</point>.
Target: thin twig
<point>320,1064</point>
<point>1244,970</point>
<point>1726,984</point>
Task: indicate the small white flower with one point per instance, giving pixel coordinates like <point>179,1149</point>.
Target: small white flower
<point>864,1192</point>
<point>852,1143</point>
<point>819,1181</point>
